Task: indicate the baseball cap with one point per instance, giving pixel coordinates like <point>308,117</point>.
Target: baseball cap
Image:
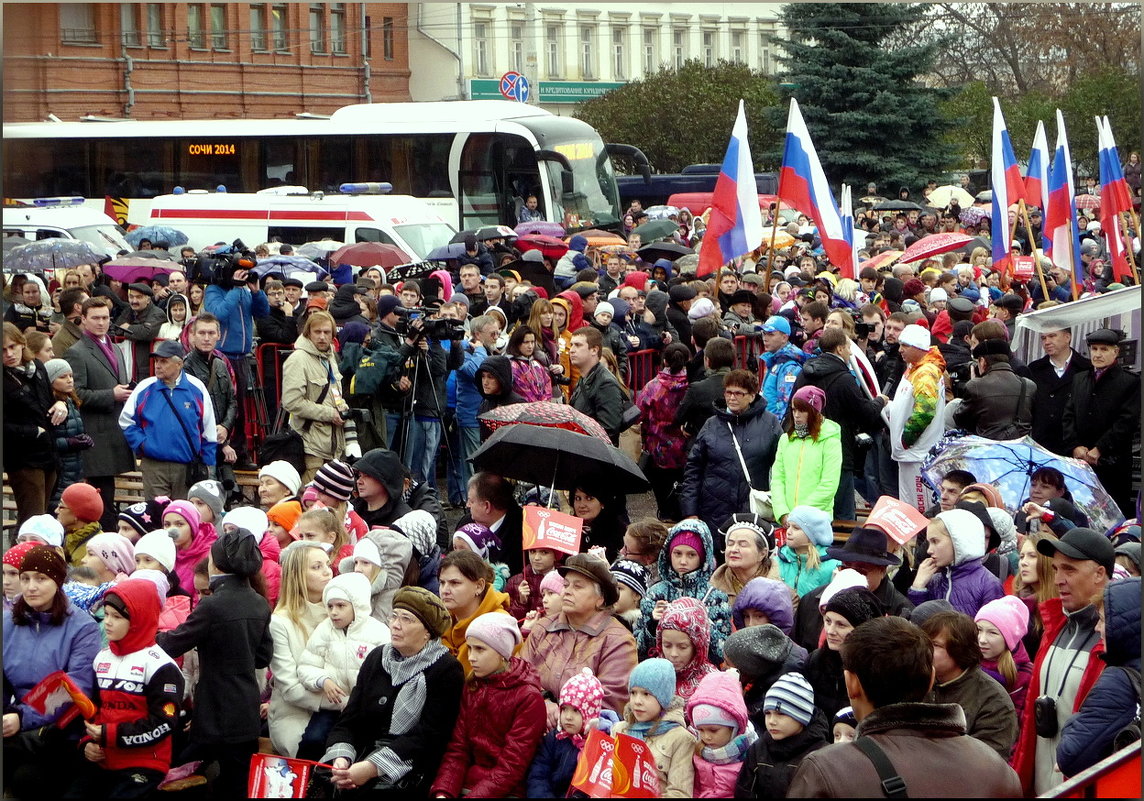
<point>169,349</point>
<point>1082,543</point>
<point>776,323</point>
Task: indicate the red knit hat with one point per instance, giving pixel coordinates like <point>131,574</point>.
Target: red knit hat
<point>84,502</point>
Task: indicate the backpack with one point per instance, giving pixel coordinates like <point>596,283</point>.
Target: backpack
<point>378,368</point>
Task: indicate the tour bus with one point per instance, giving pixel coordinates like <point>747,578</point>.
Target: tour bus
<point>480,159</point>
<point>66,218</point>
<point>363,212</point>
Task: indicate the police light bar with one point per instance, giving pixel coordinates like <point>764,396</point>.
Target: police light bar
<point>366,188</point>
<point>44,202</point>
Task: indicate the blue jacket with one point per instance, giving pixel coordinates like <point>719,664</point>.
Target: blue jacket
<point>783,367</point>
<point>32,652</point>
<point>1112,703</point>
<point>550,773</point>
<point>970,291</point>
<point>153,431</point>
<point>236,309</point>
<point>802,579</point>
<point>469,397</point>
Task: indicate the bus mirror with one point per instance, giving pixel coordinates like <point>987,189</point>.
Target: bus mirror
<point>552,155</point>
<point>635,154</point>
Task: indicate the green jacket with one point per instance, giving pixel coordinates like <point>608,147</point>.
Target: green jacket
<point>806,471</point>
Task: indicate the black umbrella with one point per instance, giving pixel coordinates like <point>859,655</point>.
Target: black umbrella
<point>535,273</point>
<point>976,242</point>
<point>487,232</point>
<point>558,457</point>
<point>897,205</point>
<point>663,250</point>
<point>158,255</point>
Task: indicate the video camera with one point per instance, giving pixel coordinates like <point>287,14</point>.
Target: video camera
<point>218,265</point>
<point>959,376</point>
<point>439,329</point>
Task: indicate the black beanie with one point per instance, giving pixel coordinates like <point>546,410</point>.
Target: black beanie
<point>237,552</point>
<point>856,604</point>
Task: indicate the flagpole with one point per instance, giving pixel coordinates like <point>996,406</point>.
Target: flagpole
<point>1128,242</point>
<point>1007,276</point>
<point>1036,261</point>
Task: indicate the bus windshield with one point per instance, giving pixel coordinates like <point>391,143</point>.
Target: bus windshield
<point>425,237</point>
<point>593,201</point>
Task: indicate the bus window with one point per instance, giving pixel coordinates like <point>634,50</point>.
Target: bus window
<point>134,168</point>
<point>373,235</point>
<point>331,164</point>
<point>206,162</point>
<point>46,168</point>
<point>278,160</point>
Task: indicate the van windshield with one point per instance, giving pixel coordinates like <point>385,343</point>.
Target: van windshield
<point>425,237</point>
<point>104,238</point>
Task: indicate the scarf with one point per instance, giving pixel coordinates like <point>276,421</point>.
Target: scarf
<point>107,349</point>
<point>802,431</point>
<point>734,751</point>
<point>641,730</point>
<point>577,739</point>
<point>408,674</point>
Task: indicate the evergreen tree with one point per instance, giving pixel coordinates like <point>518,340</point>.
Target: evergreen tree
<point>869,116</point>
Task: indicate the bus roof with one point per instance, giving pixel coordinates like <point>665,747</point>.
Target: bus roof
<point>363,118</point>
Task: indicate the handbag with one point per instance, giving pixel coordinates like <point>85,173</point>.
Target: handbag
<point>760,500</point>
<point>197,469</point>
<point>285,444</point>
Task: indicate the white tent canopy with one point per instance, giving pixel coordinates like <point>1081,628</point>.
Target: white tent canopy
<point>1118,309</point>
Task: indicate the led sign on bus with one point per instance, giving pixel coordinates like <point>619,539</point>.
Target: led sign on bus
<point>211,149</point>
<point>575,150</point>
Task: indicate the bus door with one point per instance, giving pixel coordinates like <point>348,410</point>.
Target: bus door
<point>497,173</point>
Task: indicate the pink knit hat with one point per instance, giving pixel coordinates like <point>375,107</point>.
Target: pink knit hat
<point>552,582</point>
<point>1011,617</point>
<point>584,693</point>
<point>497,630</point>
<point>812,396</point>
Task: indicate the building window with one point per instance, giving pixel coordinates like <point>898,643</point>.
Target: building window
<point>195,35</point>
<point>710,49</point>
<point>77,23</point>
<point>516,45</point>
<point>587,51</point>
<point>678,47</point>
<point>258,28</point>
<point>338,28</point>
<point>619,52</point>
<point>765,53</point>
<point>650,54</point>
<point>155,36</point>
<point>737,39</point>
<point>317,28</point>
<point>129,24</point>
<point>278,27</point>
<point>481,48</point>
<point>552,34</point>
<point>387,38</point>
<point>218,27</point>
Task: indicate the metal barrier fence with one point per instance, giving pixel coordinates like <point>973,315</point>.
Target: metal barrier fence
<point>641,369</point>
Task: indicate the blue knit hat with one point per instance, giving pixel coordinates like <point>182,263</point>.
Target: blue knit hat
<point>657,676</point>
<point>815,522</point>
<point>792,696</point>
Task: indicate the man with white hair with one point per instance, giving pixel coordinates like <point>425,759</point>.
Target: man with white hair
<point>914,416</point>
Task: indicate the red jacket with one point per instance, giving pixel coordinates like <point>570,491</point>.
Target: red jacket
<point>515,607</point>
<point>501,724</point>
<point>1025,754</point>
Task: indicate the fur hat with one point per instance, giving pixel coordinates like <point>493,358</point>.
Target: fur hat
<point>815,522</point>
<point>159,546</point>
<point>792,696</point>
<point>84,502</point>
<point>284,473</point>
<point>426,607</point>
<point>211,493</point>
<point>496,630</point>
<point>1011,617</point>
<point>657,676</point>
<point>47,560</point>
<point>44,528</point>
<point>115,551</point>
<point>584,693</point>
<point>769,596</point>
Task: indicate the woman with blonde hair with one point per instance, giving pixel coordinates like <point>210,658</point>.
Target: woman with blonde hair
<point>320,525</point>
<point>1033,584</point>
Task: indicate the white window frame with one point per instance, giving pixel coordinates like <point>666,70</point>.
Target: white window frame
<point>586,43</point>
<point>678,46</point>
<point>649,45</point>
<point>553,48</point>
<point>620,51</point>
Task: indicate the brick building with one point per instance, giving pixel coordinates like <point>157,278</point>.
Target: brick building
<point>200,60</point>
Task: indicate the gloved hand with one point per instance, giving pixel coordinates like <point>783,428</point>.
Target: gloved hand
<point>80,442</point>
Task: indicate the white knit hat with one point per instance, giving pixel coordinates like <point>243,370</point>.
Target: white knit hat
<point>284,473</point>
<point>159,546</point>
<point>915,336</point>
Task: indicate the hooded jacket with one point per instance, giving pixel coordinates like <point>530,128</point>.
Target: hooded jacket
<point>385,466</point>
<point>291,702</point>
<point>500,368</point>
<point>688,616</point>
<point>454,638</point>
<point>965,583</point>
<point>304,375</point>
<point>1112,704</point>
<point>499,729</point>
<point>798,576</point>
<point>344,307</point>
<point>140,687</point>
<point>717,779</point>
<point>697,585</point>
<point>659,401</point>
<point>807,470</point>
<point>173,329</point>
<point>338,654</point>
<point>396,551</point>
<point>782,369</point>
<point>673,751</point>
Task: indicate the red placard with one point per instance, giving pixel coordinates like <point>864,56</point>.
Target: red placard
<point>619,767</point>
<point>900,521</point>
<point>549,528</point>
<point>1023,267</point>
<point>274,776</point>
<point>55,691</point>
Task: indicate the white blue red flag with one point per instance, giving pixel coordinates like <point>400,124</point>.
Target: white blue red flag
<point>853,234</point>
<point>1062,239</point>
<point>1114,198</point>
<point>735,225</point>
<point>1008,188</point>
<point>1037,173</point>
<point>802,184</point>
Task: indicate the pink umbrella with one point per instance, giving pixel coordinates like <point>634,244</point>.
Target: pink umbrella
<point>549,246</point>
<point>1089,202</point>
<point>371,254</point>
<point>934,245</point>
<point>130,269</point>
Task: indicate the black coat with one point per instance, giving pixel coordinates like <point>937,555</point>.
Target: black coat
<point>215,375</point>
<point>369,710</point>
<point>231,629</point>
<point>1105,414</point>
<point>511,534</point>
<point>824,672</point>
<point>679,320</point>
<point>141,328</point>
<point>1052,395</point>
<point>808,620</point>
<point>998,405</point>
<point>699,401</point>
<point>94,384</point>
<point>599,395</point>
<point>771,764</point>
<point>29,436</point>
<point>846,404</point>
<point>277,327</point>
<point>890,369</point>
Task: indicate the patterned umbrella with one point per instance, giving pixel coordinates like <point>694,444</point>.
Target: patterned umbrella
<point>318,250</point>
<point>287,265</point>
<point>549,246</point>
<point>544,414</point>
<point>975,214</point>
<point>1009,464</point>
<point>157,233</point>
<point>934,245</point>
<point>540,227</point>
<point>1089,202</point>
<point>661,212</point>
<point>883,259</point>
<point>51,254</point>
<point>597,238</point>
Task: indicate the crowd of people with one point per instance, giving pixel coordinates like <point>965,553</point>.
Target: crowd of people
<point>378,611</point>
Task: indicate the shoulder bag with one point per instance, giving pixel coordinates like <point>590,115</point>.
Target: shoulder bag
<point>760,499</point>
<point>285,443</point>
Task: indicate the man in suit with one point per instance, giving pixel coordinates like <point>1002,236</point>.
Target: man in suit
<point>103,385</point>
<point>1053,374</point>
<point>491,503</point>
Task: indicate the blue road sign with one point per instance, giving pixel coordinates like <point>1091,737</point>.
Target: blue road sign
<point>514,86</point>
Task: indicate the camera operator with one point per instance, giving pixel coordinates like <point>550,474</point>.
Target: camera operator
<point>998,404</point>
<point>235,299</point>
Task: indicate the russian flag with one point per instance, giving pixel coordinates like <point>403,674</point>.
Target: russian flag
<point>1008,188</point>
<point>1114,198</point>
<point>1062,238</point>
<point>802,184</point>
<point>854,235</point>
<point>735,226</point>
<point>1037,173</point>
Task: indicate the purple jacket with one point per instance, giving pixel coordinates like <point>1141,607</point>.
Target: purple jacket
<point>968,586</point>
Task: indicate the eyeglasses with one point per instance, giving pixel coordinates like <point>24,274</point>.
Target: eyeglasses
<point>402,618</point>
<point>735,393</point>
<point>629,554</point>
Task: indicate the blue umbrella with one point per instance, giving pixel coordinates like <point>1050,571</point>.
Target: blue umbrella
<point>454,250</point>
<point>51,254</point>
<point>157,233</point>
<point>1009,465</point>
<point>280,265</point>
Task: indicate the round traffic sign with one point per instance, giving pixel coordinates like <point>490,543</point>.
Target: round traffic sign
<point>514,86</point>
